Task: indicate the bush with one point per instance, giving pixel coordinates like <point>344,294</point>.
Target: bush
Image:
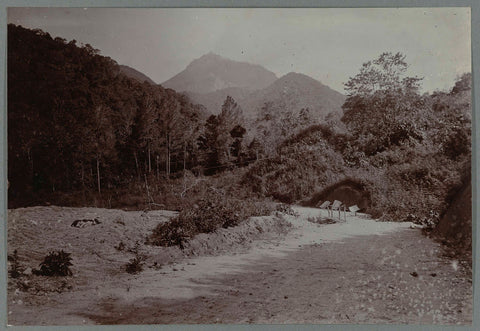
<point>135,265</point>
<point>208,215</point>
<point>56,264</point>
<point>15,271</point>
<point>286,209</point>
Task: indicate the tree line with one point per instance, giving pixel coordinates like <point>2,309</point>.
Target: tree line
<point>76,122</point>
<point>411,151</point>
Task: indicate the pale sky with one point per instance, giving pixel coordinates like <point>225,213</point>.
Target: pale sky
<point>327,44</point>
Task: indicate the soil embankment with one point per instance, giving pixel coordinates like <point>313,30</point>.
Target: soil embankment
<point>455,226</point>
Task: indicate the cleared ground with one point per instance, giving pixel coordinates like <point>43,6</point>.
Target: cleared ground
<point>264,271</point>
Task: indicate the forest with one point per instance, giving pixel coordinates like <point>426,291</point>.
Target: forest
<point>80,132</point>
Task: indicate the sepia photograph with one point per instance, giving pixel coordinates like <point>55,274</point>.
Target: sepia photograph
<point>239,166</point>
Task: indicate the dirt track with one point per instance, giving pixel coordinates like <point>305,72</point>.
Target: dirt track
<point>366,272</point>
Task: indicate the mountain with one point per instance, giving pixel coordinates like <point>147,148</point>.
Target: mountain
<point>211,73</point>
<point>290,93</point>
<point>209,79</point>
<point>293,92</point>
<point>135,74</point>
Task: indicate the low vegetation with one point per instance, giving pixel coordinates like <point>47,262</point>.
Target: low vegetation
<point>135,265</point>
<point>56,263</point>
<point>216,210</point>
<point>15,267</point>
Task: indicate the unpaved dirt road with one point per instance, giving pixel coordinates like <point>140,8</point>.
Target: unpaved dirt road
<point>359,271</point>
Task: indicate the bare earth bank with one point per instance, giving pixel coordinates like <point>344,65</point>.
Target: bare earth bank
<point>359,271</point>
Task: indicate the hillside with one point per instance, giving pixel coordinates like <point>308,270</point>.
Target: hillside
<point>135,74</point>
<point>213,101</point>
<point>76,122</point>
<point>293,92</point>
<point>455,226</point>
<point>212,72</point>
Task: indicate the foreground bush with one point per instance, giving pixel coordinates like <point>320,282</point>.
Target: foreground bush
<point>56,264</point>
<point>15,271</point>
<point>209,214</point>
<point>135,265</point>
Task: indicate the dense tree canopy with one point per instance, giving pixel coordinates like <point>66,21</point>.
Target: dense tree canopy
<point>383,106</point>
<point>75,121</point>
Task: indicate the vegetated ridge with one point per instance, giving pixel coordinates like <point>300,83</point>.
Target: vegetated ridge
<point>294,92</point>
<point>133,73</point>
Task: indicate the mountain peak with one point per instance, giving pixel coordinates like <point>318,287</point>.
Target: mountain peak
<point>293,74</point>
<point>293,92</point>
<point>212,72</point>
<point>210,56</point>
<point>297,76</point>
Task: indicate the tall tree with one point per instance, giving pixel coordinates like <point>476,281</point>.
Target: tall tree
<point>209,147</point>
<point>383,104</point>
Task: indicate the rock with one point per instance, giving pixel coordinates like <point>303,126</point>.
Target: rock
<point>85,222</point>
<point>28,271</point>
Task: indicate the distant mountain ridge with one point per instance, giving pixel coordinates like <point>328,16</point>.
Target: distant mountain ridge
<point>291,93</point>
<point>209,79</point>
<point>212,72</point>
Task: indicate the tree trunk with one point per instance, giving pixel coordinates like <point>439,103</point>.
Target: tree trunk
<point>136,164</point>
<point>184,156</point>
<point>83,177</point>
<point>98,175</point>
<point>167,141</point>
<point>149,160</point>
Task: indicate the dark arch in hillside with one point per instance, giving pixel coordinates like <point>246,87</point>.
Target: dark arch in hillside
<point>349,191</point>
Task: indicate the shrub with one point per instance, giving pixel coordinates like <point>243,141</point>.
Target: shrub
<point>135,265</point>
<point>286,209</point>
<point>15,271</point>
<point>209,214</point>
<point>286,198</point>
<point>56,264</point>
